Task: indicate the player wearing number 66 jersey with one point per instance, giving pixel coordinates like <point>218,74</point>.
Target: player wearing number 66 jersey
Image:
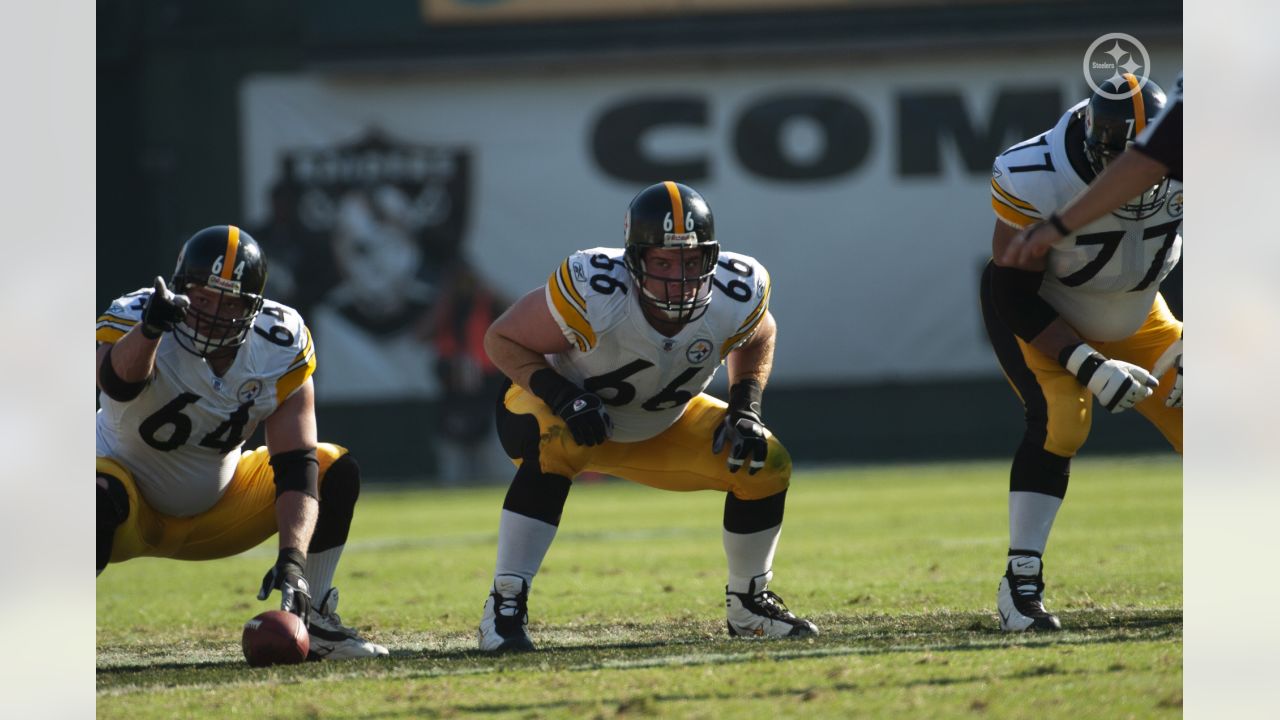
<point>1084,321</point>
<point>608,362</point>
<point>186,372</point>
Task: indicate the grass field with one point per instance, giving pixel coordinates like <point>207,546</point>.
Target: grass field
<point>897,565</point>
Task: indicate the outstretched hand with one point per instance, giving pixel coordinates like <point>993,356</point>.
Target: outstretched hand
<point>163,311</point>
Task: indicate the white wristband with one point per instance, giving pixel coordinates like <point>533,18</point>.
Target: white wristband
<point>1078,356</point>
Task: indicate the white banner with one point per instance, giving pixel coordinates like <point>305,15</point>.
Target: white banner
<point>863,187</point>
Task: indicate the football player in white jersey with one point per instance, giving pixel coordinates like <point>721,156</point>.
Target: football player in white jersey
<point>1156,153</point>
<point>1084,321</point>
<point>185,374</point>
<point>608,362</point>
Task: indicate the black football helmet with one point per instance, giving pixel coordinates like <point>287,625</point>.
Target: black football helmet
<point>227,260</point>
<point>1111,126</point>
<point>672,216</point>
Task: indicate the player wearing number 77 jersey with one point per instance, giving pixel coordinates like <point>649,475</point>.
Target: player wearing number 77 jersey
<point>608,363</point>
<point>1085,321</point>
<point>185,374</point>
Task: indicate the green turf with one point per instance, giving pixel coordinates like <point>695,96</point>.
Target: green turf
<point>898,566</point>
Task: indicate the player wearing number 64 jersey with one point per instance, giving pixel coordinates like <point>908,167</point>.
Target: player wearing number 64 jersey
<point>185,373</point>
<point>608,362</point>
<point>1085,321</point>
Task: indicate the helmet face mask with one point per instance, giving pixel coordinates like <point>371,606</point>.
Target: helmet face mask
<point>223,271</point>
<point>671,252</point>
<point>675,284</point>
<point>1112,125</point>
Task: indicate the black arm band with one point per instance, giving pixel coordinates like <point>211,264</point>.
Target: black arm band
<point>745,397</point>
<point>1016,296</point>
<point>1056,222</point>
<point>553,388</point>
<point>297,470</point>
<point>113,385</point>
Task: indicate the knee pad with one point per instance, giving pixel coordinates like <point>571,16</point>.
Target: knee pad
<point>536,494</point>
<point>749,516</point>
<point>1040,471</point>
<point>113,501</point>
<point>113,510</point>
<point>339,490</point>
<point>340,486</point>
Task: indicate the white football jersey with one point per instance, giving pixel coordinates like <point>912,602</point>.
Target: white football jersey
<point>1103,278</point>
<point>181,437</point>
<point>644,377</point>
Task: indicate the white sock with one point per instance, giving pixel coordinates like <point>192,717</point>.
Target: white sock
<point>1031,517</point>
<point>320,568</point>
<point>750,555</point>
<point>522,544</point>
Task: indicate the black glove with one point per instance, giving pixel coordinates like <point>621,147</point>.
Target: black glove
<point>742,428</point>
<point>582,411</point>
<point>163,311</point>
<point>286,576</point>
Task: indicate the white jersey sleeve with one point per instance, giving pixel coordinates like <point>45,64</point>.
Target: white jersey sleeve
<point>1010,195</point>
<point>290,355</point>
<point>743,299</point>
<point>587,295</point>
<point>125,312</point>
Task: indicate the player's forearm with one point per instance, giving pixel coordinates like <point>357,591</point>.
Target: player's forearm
<point>1124,179</point>
<point>754,360</point>
<point>1056,336</point>
<point>296,514</point>
<point>133,357</point>
<point>515,360</point>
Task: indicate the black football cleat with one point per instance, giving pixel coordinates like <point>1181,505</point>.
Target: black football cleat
<point>506,613</point>
<point>1020,597</point>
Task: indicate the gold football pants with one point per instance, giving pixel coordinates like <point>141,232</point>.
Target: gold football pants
<point>243,517</point>
<point>679,458</point>
<point>1054,397</point>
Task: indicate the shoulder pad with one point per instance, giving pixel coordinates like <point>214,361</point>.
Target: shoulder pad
<point>744,289</point>
<point>281,331</point>
<point>124,313</point>
<point>1008,199</point>
<point>586,294</point>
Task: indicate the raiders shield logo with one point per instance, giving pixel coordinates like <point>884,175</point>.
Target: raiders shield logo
<point>370,226</point>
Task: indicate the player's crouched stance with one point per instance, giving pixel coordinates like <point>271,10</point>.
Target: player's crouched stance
<point>608,363</point>
<point>1085,321</point>
<point>186,373</point>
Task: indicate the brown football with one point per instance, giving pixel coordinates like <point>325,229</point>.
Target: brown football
<point>275,637</point>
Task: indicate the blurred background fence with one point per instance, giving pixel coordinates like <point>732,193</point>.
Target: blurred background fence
<point>411,166</point>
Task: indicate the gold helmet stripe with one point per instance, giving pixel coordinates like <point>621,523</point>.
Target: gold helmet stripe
<point>1139,105</point>
<point>677,207</point>
<point>233,244</point>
